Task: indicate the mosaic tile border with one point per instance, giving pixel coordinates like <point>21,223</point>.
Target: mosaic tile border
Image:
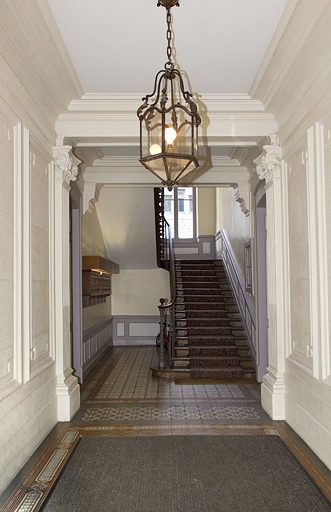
<point>172,413</point>
<point>34,488</point>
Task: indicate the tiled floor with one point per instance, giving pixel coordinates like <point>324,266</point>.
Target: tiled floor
<point>121,398</point>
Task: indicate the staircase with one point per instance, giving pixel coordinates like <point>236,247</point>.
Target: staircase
<point>211,340</point>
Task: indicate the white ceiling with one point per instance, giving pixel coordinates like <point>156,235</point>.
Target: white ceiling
<point>117,46</point>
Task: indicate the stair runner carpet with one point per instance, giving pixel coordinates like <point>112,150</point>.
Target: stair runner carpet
<point>208,322</point>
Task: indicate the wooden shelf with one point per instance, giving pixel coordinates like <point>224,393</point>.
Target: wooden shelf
<point>101,265</point>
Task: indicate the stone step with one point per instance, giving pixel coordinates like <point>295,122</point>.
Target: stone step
<point>197,280</point>
<point>245,361</point>
<point>202,299</point>
<point>207,331</point>
<point>196,314</point>
<point>215,361</point>
<point>181,362</point>
<point>212,350</point>
<point>199,291</point>
<point>231,372</point>
<point>227,307</point>
<point>182,351</point>
<point>242,350</point>
<point>204,322</point>
<point>203,283</point>
<point>238,333</point>
<point>184,274</point>
<point>210,340</point>
<point>182,341</point>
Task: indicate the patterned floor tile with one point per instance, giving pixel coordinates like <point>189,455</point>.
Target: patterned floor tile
<point>120,398</point>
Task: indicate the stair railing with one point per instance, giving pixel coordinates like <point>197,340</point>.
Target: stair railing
<point>238,288</point>
<point>165,259</point>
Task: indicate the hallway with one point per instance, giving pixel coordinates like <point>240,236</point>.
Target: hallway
<point>121,399</point>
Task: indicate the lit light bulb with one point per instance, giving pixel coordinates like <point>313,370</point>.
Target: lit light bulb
<point>155,149</point>
<point>170,135</point>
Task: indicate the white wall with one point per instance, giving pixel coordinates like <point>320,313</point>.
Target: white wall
<point>127,220</point>
<point>206,211</point>
<point>137,292</point>
<point>33,92</point>
<point>294,84</point>
<point>92,239</point>
<point>234,222</point>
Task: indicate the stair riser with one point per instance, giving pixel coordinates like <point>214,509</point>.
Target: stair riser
<point>202,322</point>
<point>217,341</point>
<point>200,334</point>
<point>200,314</point>
<point>214,352</point>
<point>202,284</point>
<point>218,373</point>
<point>219,299</point>
<point>229,309</point>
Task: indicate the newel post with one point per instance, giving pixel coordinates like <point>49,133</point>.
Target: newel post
<point>162,360</point>
<point>67,387</point>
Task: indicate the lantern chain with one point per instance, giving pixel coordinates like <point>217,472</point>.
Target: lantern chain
<point>169,37</point>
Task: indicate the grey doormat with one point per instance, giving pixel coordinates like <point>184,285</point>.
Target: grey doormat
<point>185,473</point>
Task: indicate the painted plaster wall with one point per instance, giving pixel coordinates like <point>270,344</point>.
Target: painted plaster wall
<point>235,224</point>
<point>206,211</point>
<point>32,95</point>
<point>294,84</point>
<point>137,292</point>
<point>92,239</point>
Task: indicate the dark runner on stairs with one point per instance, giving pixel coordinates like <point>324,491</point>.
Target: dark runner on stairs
<point>211,339</point>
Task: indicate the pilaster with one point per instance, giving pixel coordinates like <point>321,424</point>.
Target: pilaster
<point>67,388</point>
<point>269,167</point>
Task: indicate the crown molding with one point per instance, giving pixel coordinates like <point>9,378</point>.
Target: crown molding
<point>35,76</point>
<point>293,81</point>
<point>114,116</point>
<point>105,102</point>
<point>272,48</point>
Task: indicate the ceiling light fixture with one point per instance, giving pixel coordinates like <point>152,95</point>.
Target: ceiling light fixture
<point>169,121</point>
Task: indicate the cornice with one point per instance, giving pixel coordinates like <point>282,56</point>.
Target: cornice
<point>115,115</point>
<point>287,62</point>
<point>32,44</point>
<point>99,102</point>
<point>272,48</point>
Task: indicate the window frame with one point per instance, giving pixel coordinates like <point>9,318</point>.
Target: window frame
<point>176,212</point>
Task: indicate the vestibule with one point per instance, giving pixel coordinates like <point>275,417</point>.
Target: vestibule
<point>279,135</point>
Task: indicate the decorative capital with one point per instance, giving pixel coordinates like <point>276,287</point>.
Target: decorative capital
<point>66,164</point>
<point>269,163</point>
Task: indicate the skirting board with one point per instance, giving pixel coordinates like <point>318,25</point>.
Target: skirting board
<point>135,330</point>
